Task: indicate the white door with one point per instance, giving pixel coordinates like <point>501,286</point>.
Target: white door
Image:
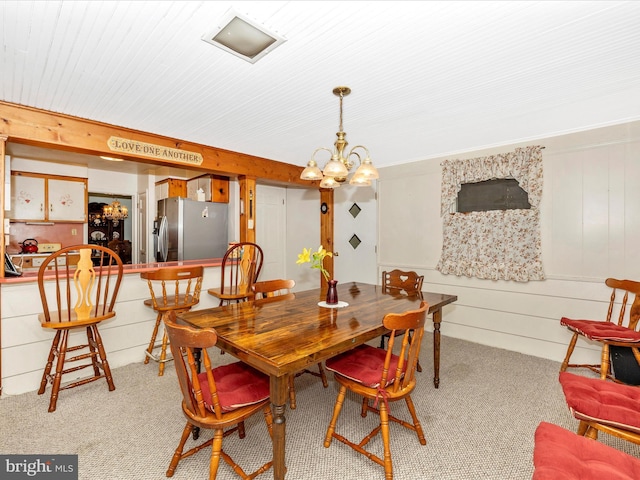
<point>270,230</point>
<point>355,219</point>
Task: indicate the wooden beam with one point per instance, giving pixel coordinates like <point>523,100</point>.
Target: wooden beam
<point>248,209</point>
<point>54,130</point>
<point>326,231</point>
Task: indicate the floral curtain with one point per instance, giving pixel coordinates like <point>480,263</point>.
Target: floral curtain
<point>496,244</point>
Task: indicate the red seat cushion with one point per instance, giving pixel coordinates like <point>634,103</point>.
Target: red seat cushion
<point>364,365</point>
<point>600,330</point>
<point>237,385</point>
<point>603,401</point>
<point>562,455</point>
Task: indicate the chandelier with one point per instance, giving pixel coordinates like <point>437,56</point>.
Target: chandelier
<point>338,167</point>
<point>115,212</point>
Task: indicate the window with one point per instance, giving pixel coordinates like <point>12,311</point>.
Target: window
<point>499,194</point>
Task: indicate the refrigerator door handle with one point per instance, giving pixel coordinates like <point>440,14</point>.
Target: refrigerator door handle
<point>163,239</point>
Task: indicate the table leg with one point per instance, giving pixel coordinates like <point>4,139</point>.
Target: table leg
<point>437,319</point>
<point>278,392</point>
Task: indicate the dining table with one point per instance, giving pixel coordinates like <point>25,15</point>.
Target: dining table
<point>282,336</point>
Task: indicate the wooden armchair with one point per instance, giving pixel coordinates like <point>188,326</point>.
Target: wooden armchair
<point>281,289</point>
<point>220,399</point>
<point>607,332</point>
<point>240,269</point>
<point>77,297</point>
<point>382,377</point>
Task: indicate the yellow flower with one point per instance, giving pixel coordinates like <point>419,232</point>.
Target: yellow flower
<point>316,259</point>
<point>304,257</point>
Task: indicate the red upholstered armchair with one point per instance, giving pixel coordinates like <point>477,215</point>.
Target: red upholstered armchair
<point>601,406</point>
<point>561,454</point>
<point>622,333</point>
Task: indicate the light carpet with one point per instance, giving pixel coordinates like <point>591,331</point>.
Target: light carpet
<point>479,423</point>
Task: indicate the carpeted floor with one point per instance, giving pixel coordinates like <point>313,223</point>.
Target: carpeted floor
<point>479,424</point>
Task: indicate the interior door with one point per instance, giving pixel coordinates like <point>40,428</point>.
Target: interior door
<point>355,220</point>
<point>270,230</point>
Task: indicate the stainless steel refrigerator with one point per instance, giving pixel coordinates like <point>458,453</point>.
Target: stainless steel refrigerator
<point>190,230</point>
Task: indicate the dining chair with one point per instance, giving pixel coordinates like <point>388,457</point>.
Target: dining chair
<point>269,289</point>
<point>219,399</point>
<point>602,406</point>
<point>622,332</point>
<point>239,270</point>
<point>403,283</point>
<point>74,297</point>
<point>561,454</point>
<point>172,289</point>
<point>383,377</point>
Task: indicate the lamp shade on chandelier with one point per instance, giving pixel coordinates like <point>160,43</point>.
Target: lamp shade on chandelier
<point>339,165</point>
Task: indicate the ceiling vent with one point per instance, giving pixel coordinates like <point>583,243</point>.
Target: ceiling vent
<point>243,37</point>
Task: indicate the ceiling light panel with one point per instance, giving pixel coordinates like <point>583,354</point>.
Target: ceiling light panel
<point>243,37</point>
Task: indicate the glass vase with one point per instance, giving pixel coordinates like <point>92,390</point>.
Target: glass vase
<point>332,292</point>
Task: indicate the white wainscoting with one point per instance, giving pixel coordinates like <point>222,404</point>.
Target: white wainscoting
<point>26,345</point>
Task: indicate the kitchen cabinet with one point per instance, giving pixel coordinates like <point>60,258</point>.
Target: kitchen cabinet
<point>36,197</point>
<point>171,187</point>
<point>215,188</point>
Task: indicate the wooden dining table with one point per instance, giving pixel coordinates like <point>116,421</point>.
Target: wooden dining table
<point>280,337</point>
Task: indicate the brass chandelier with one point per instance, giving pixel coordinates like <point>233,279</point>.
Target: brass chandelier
<point>115,212</point>
<point>338,167</point>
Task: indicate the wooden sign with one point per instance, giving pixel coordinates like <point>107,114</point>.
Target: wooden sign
<point>149,150</point>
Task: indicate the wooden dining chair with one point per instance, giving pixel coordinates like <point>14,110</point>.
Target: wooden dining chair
<point>240,269</point>
<point>77,297</point>
<point>269,289</point>
<point>219,399</point>
<point>171,289</point>
<point>380,376</point>
<point>403,283</point>
<point>620,331</point>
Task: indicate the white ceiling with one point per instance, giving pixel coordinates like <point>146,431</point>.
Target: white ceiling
<point>428,78</point>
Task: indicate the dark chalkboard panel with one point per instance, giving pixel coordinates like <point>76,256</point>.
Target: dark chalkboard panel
<point>500,194</point>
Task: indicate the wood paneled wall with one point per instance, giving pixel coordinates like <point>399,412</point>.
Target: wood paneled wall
<point>590,215</point>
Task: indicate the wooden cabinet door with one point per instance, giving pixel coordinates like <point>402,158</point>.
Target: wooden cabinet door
<point>27,198</point>
<point>67,200</point>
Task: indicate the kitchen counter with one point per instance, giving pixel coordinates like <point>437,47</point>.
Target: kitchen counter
<point>32,275</point>
<point>25,346</point>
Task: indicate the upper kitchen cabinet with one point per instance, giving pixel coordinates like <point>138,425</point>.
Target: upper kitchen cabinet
<point>171,187</point>
<point>214,187</point>
<point>48,198</point>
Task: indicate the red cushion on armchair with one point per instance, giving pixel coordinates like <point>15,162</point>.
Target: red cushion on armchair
<point>562,455</point>
<point>237,385</point>
<point>600,330</point>
<point>606,402</point>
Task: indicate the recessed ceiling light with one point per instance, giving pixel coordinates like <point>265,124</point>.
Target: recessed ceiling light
<point>112,159</point>
<point>243,37</point>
